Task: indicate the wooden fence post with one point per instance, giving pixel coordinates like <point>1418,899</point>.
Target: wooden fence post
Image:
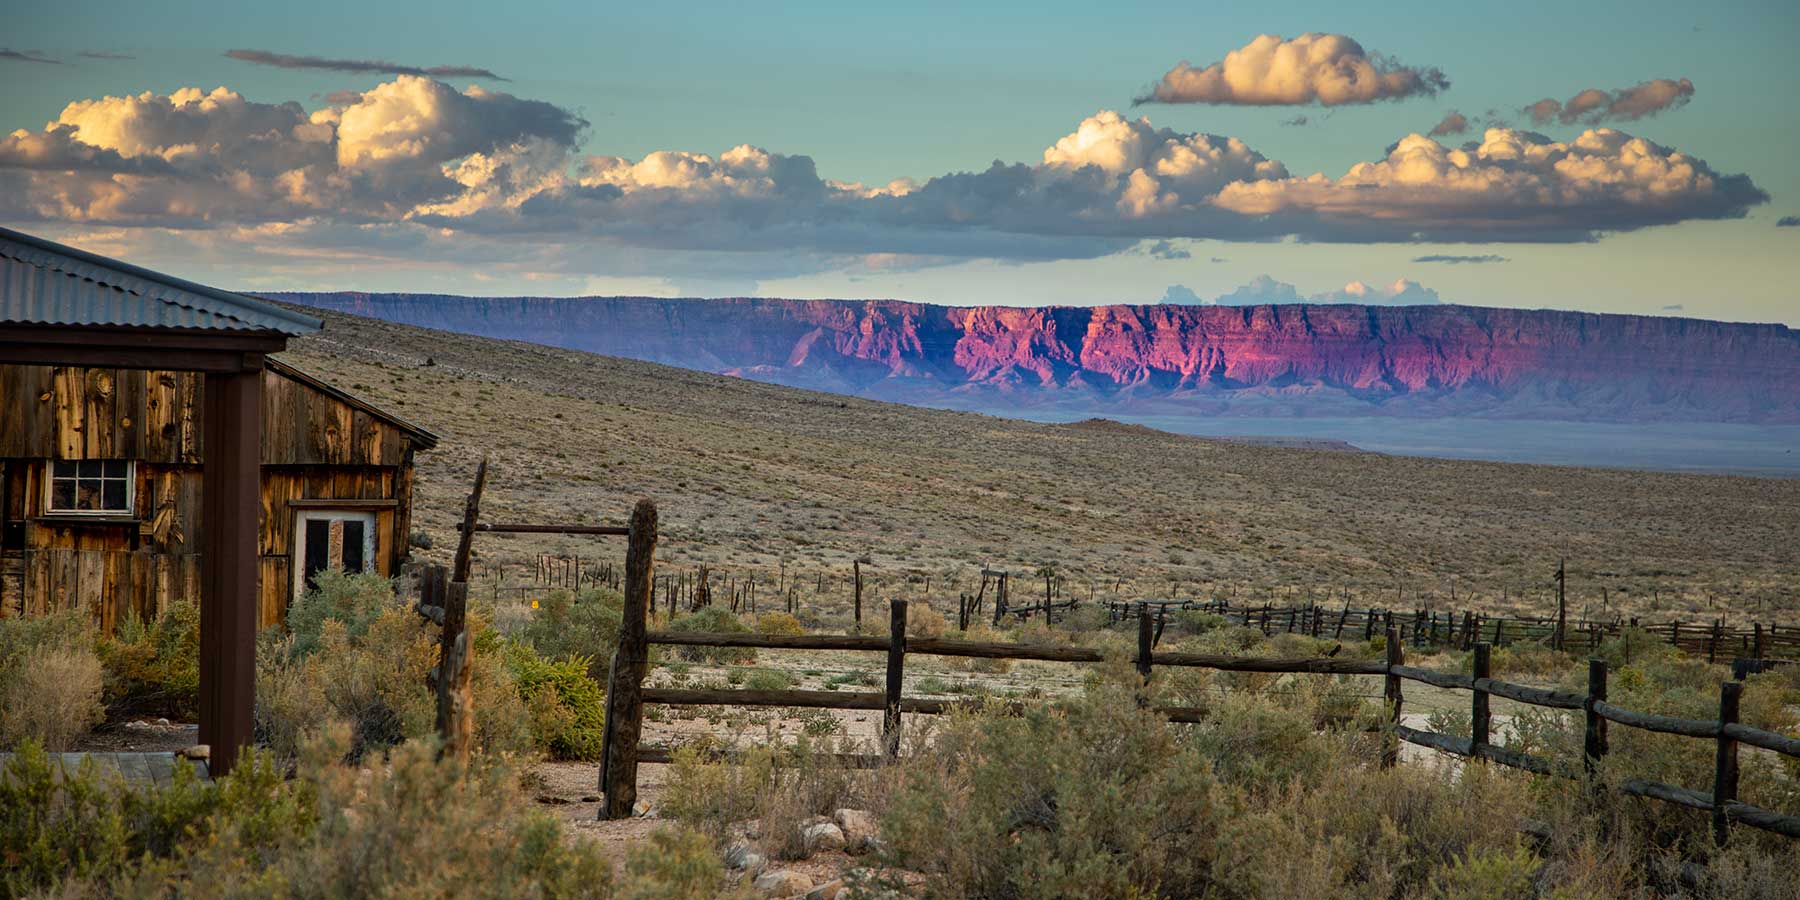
<point>1594,734</point>
<point>896,669</point>
<point>1145,641</point>
<point>856,578</point>
<point>1396,656</point>
<point>624,697</point>
<point>1480,719</point>
<point>455,704</point>
<point>1725,774</point>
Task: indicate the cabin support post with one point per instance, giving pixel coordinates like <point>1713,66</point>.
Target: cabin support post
<point>231,487</point>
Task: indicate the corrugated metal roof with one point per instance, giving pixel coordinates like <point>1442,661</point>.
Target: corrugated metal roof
<point>46,283</point>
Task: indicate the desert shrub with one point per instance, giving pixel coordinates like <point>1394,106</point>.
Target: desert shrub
<point>369,670</point>
<point>48,674</point>
<point>1491,875</point>
<point>353,600</point>
<point>1086,617</point>
<point>1259,745</point>
<point>924,622</point>
<point>1526,659</point>
<point>1193,621</point>
<point>676,864</point>
<point>779,788</point>
<point>410,825</point>
<point>153,667</point>
<point>779,623</point>
<point>1119,814</point>
<point>711,797</point>
<point>567,707</point>
<point>586,626</point>
<point>715,619</point>
<point>768,680</point>
<point>981,631</point>
<point>50,693</point>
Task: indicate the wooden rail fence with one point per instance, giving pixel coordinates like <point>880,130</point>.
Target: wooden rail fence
<point>627,696</point>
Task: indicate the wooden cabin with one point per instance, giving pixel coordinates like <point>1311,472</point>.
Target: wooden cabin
<point>100,488</point>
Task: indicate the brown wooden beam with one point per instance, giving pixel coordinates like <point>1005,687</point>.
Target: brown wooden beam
<point>193,350</point>
<point>231,491</point>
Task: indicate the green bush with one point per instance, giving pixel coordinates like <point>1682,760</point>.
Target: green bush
<point>713,619</point>
<point>779,623</point>
<point>566,705</point>
<point>354,601</point>
<point>587,626</point>
<point>50,680</point>
<point>369,670</point>
<point>413,826</point>
<point>768,680</point>
<point>153,668</point>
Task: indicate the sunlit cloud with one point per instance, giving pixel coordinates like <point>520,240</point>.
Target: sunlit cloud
<point>1593,106</point>
<point>1327,69</point>
<point>356,66</point>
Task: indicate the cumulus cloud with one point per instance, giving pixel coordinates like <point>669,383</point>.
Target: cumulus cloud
<point>10,55</point>
<point>1264,290</point>
<point>1460,260</point>
<point>1514,185</point>
<point>356,66</point>
<point>194,158</point>
<point>1593,106</point>
<point>415,157</point>
<point>1453,122</point>
<point>1181,295</point>
<point>1788,222</point>
<point>1327,69</point>
<point>101,54</point>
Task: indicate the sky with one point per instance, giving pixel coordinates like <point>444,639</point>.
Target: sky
<point>1633,157</point>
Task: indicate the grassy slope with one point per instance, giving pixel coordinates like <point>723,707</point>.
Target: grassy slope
<point>749,475</point>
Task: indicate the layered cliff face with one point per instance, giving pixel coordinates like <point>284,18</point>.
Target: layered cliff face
<point>1251,360</point>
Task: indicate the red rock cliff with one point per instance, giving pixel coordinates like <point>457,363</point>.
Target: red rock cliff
<point>1286,360</point>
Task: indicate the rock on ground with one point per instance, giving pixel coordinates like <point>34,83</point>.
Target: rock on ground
<point>783,883</point>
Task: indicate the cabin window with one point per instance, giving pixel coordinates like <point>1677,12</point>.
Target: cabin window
<point>92,486</point>
<point>331,539</point>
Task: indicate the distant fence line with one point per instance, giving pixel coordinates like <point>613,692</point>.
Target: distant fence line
<point>1464,629</point>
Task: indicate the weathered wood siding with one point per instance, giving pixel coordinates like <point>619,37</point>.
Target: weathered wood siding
<point>315,447</point>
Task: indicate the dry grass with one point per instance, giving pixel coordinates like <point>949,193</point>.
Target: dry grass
<point>750,477</point>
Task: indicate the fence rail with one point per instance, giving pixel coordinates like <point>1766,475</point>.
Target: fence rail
<point>1725,731</point>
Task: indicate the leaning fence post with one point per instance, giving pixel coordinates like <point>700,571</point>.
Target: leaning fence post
<point>1725,774</point>
<point>1145,641</point>
<point>1594,734</point>
<point>896,669</point>
<point>1396,656</point>
<point>624,697</point>
<point>1480,718</point>
<point>455,707</point>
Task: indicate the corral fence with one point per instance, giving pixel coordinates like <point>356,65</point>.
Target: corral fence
<point>1463,629</point>
<point>627,696</point>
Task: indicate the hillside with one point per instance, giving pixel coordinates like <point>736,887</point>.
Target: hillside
<point>1297,360</point>
<point>752,475</point>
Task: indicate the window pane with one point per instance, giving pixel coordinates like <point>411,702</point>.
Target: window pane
<point>90,468</point>
<point>114,468</point>
<point>63,468</point>
<point>113,493</point>
<point>318,548</point>
<point>353,545</point>
<point>87,495</point>
<point>62,494</point>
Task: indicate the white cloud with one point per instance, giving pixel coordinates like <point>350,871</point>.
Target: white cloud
<point>1514,185</point>
<point>415,166</point>
<point>1264,290</point>
<point>1328,69</point>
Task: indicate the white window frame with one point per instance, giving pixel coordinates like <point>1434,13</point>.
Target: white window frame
<point>50,479</point>
<point>298,554</point>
